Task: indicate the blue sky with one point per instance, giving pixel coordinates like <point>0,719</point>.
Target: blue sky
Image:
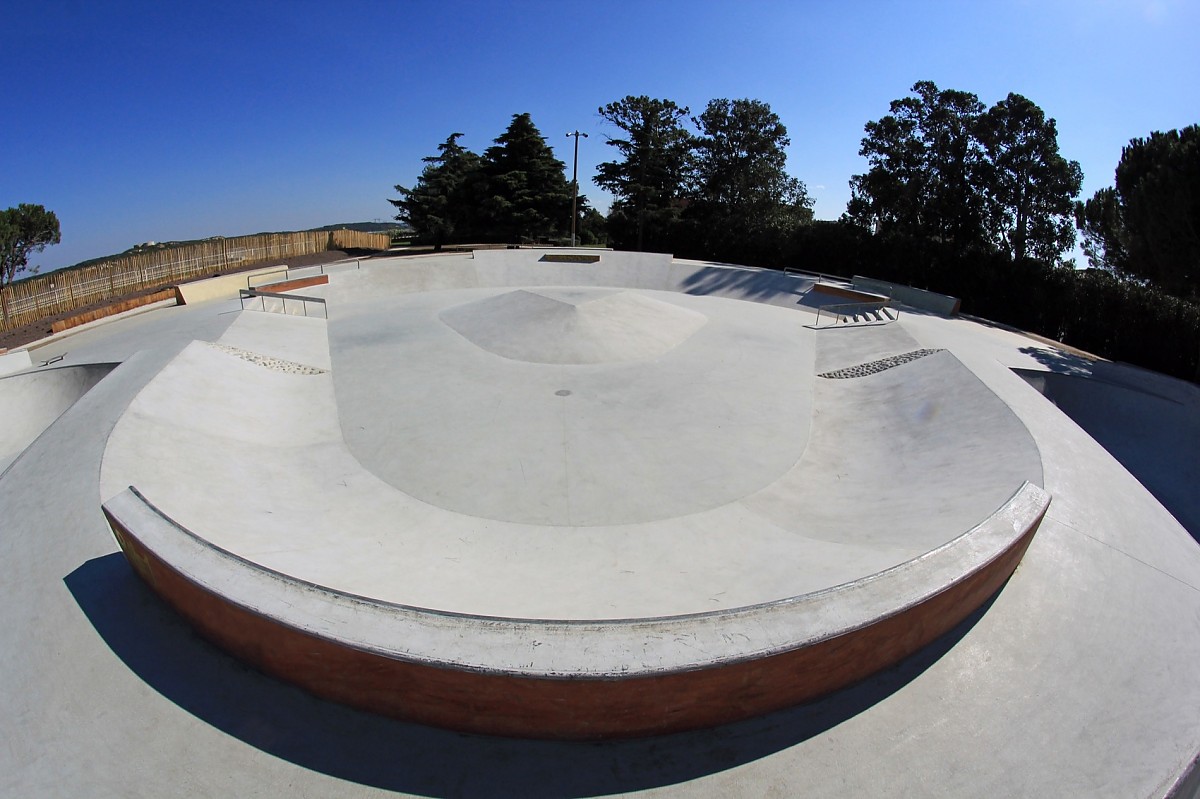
<point>162,121</point>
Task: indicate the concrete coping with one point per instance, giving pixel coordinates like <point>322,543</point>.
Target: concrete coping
<point>566,649</point>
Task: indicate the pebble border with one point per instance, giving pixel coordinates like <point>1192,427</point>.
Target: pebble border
<point>871,367</point>
<point>275,364</point>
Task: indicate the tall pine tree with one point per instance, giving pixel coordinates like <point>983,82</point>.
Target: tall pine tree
<point>438,207</point>
<point>648,182</point>
<point>526,195</point>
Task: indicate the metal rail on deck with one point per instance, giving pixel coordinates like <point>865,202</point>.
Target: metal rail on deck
<point>255,294</point>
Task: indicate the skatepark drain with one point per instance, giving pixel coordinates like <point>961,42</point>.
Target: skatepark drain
<point>562,392</point>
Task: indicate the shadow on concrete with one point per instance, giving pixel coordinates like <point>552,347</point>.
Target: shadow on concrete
<point>1059,362</point>
<point>1154,435</point>
<point>360,747</point>
<point>751,284</point>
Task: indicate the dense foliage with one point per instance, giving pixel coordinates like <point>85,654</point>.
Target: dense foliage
<point>718,192</point>
<point>944,168</point>
<point>958,198</point>
<point>648,180</point>
<point>24,230</point>
<point>1148,226</point>
<point>515,192</point>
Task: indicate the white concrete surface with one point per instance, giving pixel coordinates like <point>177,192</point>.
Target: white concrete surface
<point>677,484</point>
<point>1078,680</point>
<point>225,287</point>
<point>30,402</point>
<point>14,361</point>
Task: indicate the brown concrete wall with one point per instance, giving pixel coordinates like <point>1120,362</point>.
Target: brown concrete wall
<point>298,283</point>
<point>111,310</point>
<point>849,294</point>
<point>574,708</point>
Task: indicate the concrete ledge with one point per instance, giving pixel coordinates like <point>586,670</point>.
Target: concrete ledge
<point>569,258</point>
<point>298,283</point>
<point>913,297</point>
<point>564,679</point>
<point>224,287</point>
<point>848,293</point>
<point>112,310</point>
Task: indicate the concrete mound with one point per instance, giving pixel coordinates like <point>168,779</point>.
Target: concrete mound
<point>573,326</point>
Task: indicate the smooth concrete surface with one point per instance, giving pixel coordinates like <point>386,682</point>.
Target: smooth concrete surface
<point>485,492</point>
<point>1153,430</point>
<point>14,361</point>
<point>226,287</point>
<point>30,402</point>
<point>1078,679</point>
<point>910,296</point>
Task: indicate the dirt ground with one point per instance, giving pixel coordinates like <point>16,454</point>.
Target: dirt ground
<point>34,331</point>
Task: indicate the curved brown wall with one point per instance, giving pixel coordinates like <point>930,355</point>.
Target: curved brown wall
<point>580,708</point>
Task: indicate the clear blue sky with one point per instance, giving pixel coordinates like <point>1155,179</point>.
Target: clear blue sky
<point>161,121</point>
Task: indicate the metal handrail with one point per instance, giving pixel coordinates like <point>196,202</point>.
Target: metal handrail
<point>860,307</point>
<point>795,270</point>
<point>253,294</point>
<point>321,267</point>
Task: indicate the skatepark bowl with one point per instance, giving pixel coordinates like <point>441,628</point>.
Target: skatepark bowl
<point>630,500</point>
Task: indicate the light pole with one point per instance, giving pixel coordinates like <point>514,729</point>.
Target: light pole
<point>575,183</point>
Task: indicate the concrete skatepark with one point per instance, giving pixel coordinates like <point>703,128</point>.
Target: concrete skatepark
<point>581,450</point>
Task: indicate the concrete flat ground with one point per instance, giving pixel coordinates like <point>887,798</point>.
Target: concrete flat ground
<point>1077,679</point>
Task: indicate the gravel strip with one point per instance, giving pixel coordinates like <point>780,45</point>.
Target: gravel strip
<point>871,367</point>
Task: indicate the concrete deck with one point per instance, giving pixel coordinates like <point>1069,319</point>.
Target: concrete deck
<point>1090,644</point>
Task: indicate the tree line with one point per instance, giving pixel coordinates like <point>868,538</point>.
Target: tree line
<point>515,192</point>
<point>721,184</point>
<point>957,197</point>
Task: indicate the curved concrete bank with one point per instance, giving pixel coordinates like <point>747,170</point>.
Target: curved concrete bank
<point>29,403</point>
<point>560,680</point>
<point>766,578</point>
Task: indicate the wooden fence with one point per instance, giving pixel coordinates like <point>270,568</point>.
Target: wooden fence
<point>68,289</point>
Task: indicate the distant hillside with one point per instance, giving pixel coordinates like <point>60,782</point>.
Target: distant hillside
<point>365,227</point>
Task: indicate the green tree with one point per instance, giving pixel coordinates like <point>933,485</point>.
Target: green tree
<point>439,207</point>
<point>647,181</point>
<point>1158,184</point>
<point>1028,187</point>
<point>526,195</point>
<point>924,161</point>
<point>593,228</point>
<point>1099,221</point>
<point>740,175</point>
<point>1148,226</point>
<point>25,229</point>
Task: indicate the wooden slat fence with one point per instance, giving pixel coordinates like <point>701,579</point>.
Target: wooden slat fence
<point>66,290</point>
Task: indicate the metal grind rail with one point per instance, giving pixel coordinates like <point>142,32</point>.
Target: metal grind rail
<point>263,296</point>
<point>323,269</point>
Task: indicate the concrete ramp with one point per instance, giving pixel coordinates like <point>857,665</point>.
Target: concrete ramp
<point>29,403</point>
